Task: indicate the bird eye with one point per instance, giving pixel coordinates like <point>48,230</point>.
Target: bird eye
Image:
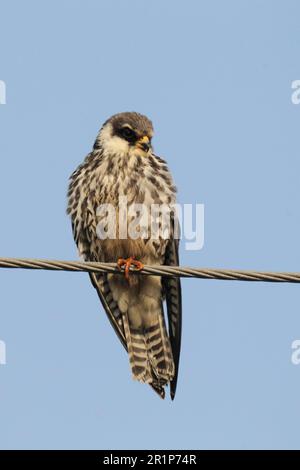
<point>128,133</point>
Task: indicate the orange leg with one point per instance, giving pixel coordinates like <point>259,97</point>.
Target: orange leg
<point>127,263</point>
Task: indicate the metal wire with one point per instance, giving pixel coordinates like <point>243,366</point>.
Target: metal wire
<point>167,271</point>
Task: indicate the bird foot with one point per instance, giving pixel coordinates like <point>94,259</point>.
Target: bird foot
<point>127,263</point>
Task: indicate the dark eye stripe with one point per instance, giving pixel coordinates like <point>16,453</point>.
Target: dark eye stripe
<point>128,134</point>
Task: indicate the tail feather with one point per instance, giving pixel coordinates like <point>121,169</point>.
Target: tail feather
<point>137,351</point>
<point>150,354</point>
<point>159,351</point>
<point>145,333</point>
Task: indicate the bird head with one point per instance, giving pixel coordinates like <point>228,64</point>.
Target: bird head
<point>126,133</point>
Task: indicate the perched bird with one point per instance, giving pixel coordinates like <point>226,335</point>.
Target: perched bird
<point>122,164</point>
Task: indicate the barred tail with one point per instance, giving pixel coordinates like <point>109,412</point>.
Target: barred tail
<point>159,351</point>
<point>150,354</point>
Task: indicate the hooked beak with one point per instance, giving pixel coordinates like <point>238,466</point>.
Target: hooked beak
<point>144,143</point>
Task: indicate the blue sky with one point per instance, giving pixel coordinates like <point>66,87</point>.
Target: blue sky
<point>215,77</point>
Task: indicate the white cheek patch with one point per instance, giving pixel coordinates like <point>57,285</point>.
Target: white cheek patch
<point>112,144</point>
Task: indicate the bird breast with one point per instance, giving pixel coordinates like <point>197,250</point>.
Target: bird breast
<point>124,183</point>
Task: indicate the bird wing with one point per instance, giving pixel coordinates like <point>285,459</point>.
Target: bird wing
<point>172,290</point>
<point>84,230</point>
<point>111,308</point>
<point>100,282</point>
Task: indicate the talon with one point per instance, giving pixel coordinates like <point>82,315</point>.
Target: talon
<point>127,263</point>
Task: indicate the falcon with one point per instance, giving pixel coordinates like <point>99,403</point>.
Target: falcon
<point>122,165</point>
